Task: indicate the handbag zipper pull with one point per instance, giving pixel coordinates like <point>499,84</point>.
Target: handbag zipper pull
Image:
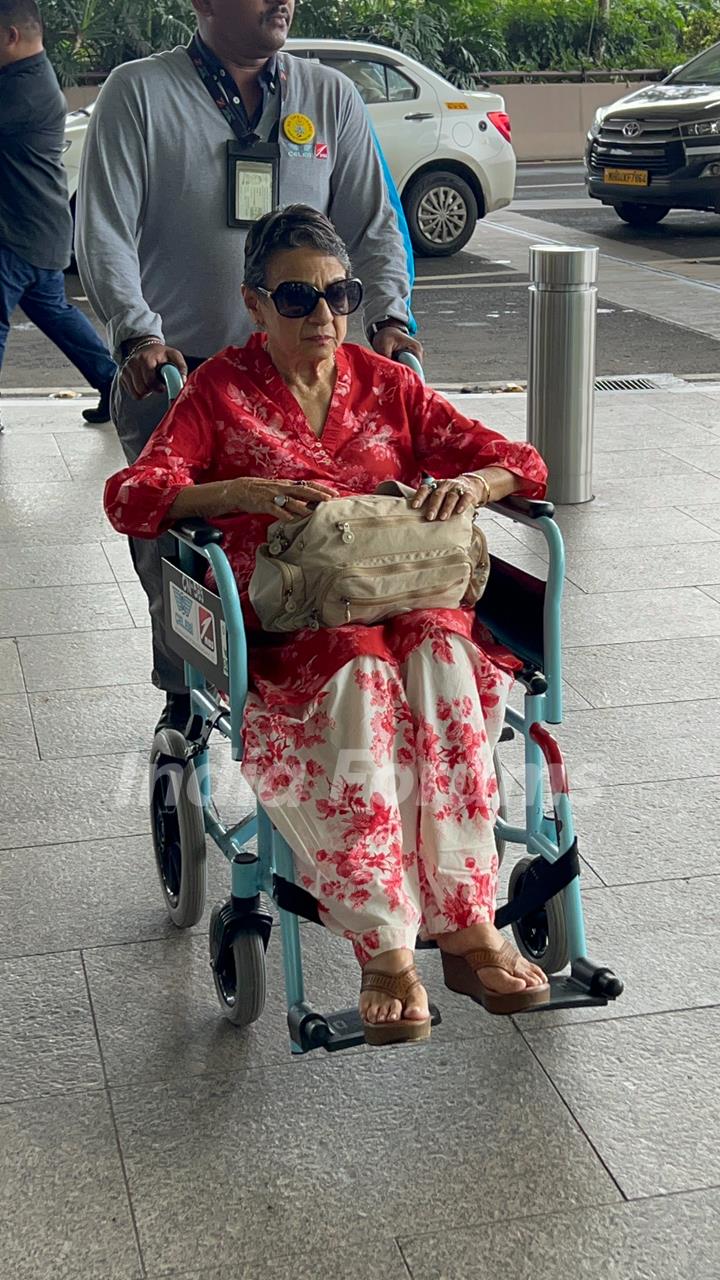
<point>347,611</point>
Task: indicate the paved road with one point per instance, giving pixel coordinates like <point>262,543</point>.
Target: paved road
<point>473,308</point>
<point>683,236</point>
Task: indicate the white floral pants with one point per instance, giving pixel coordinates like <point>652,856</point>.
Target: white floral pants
<point>384,788</point>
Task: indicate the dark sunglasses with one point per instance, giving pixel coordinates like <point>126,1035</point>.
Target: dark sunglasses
<point>295,299</point>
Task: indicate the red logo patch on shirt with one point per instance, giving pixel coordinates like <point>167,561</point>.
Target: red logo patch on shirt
<point>321,151</point>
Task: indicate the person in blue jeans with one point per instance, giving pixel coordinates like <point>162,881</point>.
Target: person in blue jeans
<point>35,220</point>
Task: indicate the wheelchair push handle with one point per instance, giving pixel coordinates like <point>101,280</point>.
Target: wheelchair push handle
<point>411,362</point>
<point>173,380</point>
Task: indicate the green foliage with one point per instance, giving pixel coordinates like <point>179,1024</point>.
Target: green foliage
<point>648,32</point>
<point>702,27</point>
<point>96,35</point>
<point>543,35</point>
<point>561,35</point>
<point>431,32</point>
<point>457,38</point>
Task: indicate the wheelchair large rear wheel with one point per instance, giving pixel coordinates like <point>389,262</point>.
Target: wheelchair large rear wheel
<point>540,936</point>
<point>178,828</point>
<point>239,974</point>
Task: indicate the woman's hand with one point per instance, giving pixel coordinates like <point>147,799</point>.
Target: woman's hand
<point>250,495</point>
<point>441,499</point>
<point>253,495</point>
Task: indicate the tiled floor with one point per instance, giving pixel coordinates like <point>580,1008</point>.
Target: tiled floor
<point>143,1138</point>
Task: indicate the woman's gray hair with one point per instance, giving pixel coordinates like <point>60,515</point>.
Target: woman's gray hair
<point>297,226</point>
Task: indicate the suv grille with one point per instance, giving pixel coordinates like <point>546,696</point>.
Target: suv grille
<point>657,146</point>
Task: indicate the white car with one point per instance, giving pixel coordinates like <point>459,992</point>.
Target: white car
<point>76,123</point>
<point>449,151</point>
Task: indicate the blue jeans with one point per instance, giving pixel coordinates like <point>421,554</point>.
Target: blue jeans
<point>41,294</point>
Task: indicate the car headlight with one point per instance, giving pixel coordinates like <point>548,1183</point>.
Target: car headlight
<point>701,129</point>
<point>598,118</point>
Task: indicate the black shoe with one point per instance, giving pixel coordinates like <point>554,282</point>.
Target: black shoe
<point>176,712</point>
<point>101,412</point>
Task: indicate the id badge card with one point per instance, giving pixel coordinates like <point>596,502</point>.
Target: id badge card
<point>252,182</point>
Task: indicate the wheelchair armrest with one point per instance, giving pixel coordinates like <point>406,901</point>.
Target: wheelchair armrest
<point>516,506</point>
<point>198,531</point>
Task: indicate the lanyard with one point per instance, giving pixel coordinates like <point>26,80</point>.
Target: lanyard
<point>229,103</point>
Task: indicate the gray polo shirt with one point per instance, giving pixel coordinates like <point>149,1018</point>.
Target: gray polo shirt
<point>154,251</point>
<point>35,219</point>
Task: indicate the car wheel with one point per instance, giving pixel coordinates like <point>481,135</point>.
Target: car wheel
<point>441,211</point>
<point>642,215</point>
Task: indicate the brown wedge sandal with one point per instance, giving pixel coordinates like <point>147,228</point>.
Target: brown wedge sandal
<point>461,975</point>
<point>398,986</point>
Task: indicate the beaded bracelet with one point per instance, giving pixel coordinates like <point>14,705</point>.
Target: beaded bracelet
<point>146,342</point>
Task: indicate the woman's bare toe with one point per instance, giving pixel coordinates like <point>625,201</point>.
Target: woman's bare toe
<point>500,981</point>
<point>416,1008</point>
<point>532,973</point>
<point>376,1006</point>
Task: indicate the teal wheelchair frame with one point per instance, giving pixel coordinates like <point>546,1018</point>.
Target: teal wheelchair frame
<point>544,905</point>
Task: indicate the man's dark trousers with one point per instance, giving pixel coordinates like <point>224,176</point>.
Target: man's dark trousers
<point>41,294</point>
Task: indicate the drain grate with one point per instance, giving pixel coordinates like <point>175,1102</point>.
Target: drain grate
<point>625,384</point>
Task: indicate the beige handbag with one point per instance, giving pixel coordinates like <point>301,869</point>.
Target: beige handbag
<point>364,559</point>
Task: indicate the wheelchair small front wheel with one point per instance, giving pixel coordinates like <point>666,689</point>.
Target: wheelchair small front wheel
<point>178,828</point>
<point>238,973</point>
<point>541,936</point>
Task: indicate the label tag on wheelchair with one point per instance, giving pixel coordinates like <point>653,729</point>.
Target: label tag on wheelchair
<point>194,624</point>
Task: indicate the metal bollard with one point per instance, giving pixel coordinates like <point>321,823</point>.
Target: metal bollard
<point>561,372</point>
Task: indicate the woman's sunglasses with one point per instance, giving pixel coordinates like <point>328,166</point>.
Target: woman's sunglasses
<point>295,299</point>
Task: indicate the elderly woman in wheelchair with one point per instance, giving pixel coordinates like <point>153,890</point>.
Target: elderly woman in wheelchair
<point>370,746</point>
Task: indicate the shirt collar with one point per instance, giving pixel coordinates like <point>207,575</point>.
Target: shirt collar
<point>23,64</point>
<point>269,72</point>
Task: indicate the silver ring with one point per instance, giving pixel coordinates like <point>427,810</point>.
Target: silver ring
<point>280,499</point>
<point>460,489</point>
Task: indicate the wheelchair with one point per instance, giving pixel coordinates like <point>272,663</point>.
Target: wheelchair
<point>544,906</point>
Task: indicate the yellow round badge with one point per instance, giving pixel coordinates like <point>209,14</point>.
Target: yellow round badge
<point>298,128</point>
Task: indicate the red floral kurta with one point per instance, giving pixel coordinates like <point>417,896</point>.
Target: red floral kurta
<point>236,417</point>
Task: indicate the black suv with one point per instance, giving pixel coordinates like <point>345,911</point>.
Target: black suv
<point>659,148</point>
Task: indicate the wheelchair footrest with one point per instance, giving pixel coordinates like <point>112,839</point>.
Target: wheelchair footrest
<point>567,993</point>
<point>331,1031</point>
<point>587,985</point>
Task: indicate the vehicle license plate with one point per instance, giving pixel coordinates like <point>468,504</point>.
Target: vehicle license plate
<point>627,177</point>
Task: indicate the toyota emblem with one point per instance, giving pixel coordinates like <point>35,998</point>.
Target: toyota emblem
<point>631,129</point>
